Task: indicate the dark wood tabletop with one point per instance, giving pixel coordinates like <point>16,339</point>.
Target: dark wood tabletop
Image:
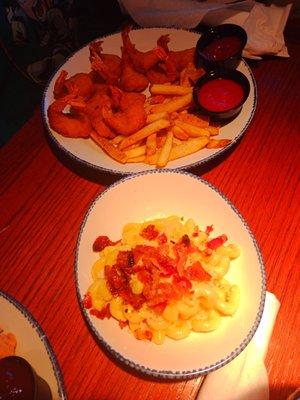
<point>43,202</point>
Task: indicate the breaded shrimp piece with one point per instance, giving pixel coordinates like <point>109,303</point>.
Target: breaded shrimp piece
<point>75,124</point>
<point>131,115</point>
<point>131,80</point>
<point>83,82</point>
<point>142,61</point>
<point>179,58</point>
<point>107,66</point>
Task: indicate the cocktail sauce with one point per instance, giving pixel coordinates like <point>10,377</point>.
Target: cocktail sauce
<point>16,379</point>
<point>222,48</point>
<point>220,95</point>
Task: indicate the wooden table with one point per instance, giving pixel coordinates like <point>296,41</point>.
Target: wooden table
<point>42,204</point>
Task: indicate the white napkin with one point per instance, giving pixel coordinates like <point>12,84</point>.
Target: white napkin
<point>245,378</point>
<point>264,24</point>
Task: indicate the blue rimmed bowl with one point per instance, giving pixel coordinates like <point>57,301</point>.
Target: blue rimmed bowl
<point>157,194</point>
<point>32,345</point>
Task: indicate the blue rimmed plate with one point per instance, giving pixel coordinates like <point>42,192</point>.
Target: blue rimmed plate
<point>32,343</point>
<point>157,194</point>
<point>88,154</point>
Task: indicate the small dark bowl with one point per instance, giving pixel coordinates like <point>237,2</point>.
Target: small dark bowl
<point>230,53</point>
<point>232,75</point>
<point>17,374</point>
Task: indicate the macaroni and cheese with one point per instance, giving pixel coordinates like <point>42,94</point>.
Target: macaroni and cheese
<point>164,278</point>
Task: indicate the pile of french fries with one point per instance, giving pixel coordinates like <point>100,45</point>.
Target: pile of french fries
<point>171,131</point>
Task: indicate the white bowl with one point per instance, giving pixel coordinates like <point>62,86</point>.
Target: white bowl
<point>159,194</point>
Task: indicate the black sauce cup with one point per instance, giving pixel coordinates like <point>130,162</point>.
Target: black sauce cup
<point>17,374</point>
<point>233,75</point>
<point>214,34</point>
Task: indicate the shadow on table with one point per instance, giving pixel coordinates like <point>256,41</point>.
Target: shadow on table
<point>79,168</point>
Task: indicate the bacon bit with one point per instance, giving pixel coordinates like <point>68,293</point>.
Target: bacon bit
<point>160,292</point>
<point>216,242</point>
<point>169,270</point>
<point>130,259</point>
<point>136,300</point>
<point>123,324</point>
<point>181,257</point>
<point>158,99</point>
<point>87,301</point>
<point>159,308</point>
<point>148,335</point>
<point>162,238</point>
<point>209,229</point>
<point>116,281</point>
<point>196,272</point>
<point>183,283</point>
<point>150,232</point>
<point>144,276</point>
<point>185,240</point>
<point>101,242</point>
<point>124,263</point>
<point>143,335</point>
<point>101,314</point>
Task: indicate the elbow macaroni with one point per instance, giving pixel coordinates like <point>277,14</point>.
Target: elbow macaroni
<point>199,309</point>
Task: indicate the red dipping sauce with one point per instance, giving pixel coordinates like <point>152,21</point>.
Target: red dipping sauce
<point>220,95</point>
<point>222,48</point>
<point>16,379</point>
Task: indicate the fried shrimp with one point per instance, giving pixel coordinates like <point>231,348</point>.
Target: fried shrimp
<point>95,104</point>
<point>190,74</point>
<point>142,61</point>
<point>131,115</point>
<point>75,124</point>
<point>83,82</point>
<point>107,66</point>
<point>181,58</point>
<point>131,80</point>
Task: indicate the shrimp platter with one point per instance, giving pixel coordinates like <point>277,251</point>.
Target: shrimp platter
<point>129,103</point>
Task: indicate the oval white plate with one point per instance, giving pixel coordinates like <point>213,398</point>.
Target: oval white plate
<point>157,194</point>
<point>86,152</point>
<point>32,344</point>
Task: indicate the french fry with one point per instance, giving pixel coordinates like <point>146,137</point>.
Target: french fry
<point>138,159</point>
<point>109,148</point>
<point>176,141</point>
<point>134,145</point>
<point>217,143</point>
<point>156,117</point>
<point>160,140</point>
<point>213,129</point>
<point>151,144</point>
<point>144,132</point>
<point>152,160</point>
<point>179,133</point>
<point>136,152</point>
<point>117,139</point>
<point>192,130</point>
<point>165,150</point>
<point>200,121</point>
<point>173,105</point>
<point>188,147</point>
<point>173,90</point>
